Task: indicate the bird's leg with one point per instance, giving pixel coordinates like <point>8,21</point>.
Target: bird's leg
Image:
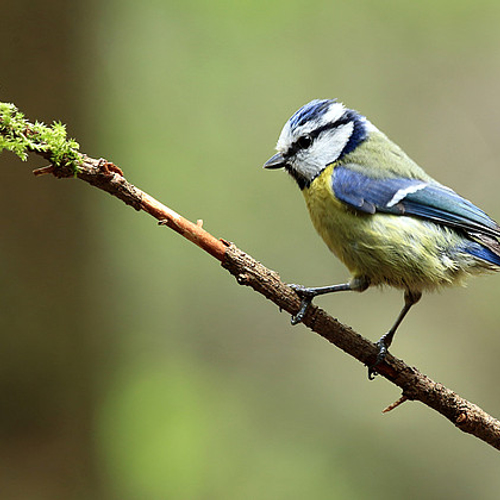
<point>307,294</point>
<point>411,298</point>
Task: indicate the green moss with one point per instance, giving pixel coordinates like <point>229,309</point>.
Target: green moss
<point>21,137</point>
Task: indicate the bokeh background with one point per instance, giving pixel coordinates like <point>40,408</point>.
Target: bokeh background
<point>131,365</point>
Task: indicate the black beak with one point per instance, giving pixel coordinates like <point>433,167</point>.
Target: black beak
<point>276,161</point>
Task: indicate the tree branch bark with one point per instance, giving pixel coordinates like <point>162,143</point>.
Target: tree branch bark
<point>415,386</point>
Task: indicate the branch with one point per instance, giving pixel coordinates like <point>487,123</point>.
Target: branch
<point>22,137</point>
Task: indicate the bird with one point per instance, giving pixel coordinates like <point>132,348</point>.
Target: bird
<point>386,219</point>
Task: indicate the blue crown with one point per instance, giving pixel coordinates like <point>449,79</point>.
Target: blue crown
<point>311,111</point>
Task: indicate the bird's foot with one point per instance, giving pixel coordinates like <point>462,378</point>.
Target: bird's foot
<point>306,295</point>
<point>383,348</point>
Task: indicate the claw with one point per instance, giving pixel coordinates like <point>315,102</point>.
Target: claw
<point>382,353</point>
<point>304,306</point>
<point>306,299</point>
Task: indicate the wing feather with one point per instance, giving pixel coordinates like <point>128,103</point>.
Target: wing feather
<point>402,196</point>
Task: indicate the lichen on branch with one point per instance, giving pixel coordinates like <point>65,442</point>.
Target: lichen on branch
<point>21,137</point>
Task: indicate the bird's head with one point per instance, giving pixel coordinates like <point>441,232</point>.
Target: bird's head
<point>318,134</point>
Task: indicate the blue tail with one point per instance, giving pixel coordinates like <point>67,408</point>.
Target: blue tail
<point>483,253</point>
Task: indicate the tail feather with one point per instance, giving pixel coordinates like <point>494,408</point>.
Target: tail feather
<point>488,249</point>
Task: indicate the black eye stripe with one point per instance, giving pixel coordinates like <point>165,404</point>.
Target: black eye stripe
<point>302,143</point>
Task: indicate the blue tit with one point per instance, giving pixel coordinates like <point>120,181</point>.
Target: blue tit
<point>387,220</point>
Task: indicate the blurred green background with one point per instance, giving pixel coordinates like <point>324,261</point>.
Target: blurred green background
<point>132,366</point>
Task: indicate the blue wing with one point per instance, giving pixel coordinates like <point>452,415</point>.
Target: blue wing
<point>402,196</point>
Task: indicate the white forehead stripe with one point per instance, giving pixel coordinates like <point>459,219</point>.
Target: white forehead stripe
<point>402,193</point>
<point>285,139</point>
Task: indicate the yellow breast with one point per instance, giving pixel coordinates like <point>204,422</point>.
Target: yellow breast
<point>332,219</point>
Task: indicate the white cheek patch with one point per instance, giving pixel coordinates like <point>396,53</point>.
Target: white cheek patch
<point>325,149</point>
<point>328,146</point>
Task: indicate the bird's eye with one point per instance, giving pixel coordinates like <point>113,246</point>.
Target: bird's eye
<point>304,142</point>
